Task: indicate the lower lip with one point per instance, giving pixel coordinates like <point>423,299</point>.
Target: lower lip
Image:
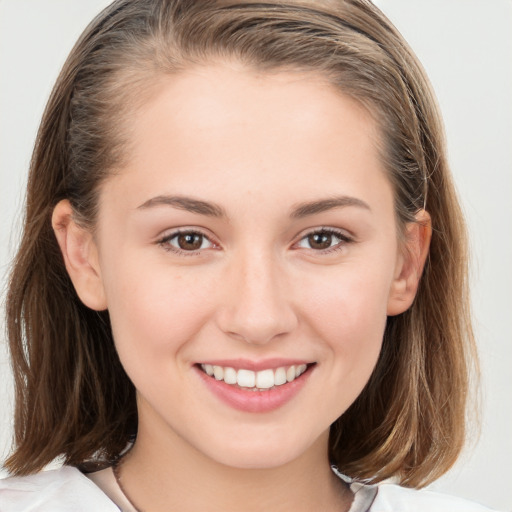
<point>255,401</point>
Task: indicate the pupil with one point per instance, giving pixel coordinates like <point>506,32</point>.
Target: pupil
<point>190,241</point>
<point>320,240</point>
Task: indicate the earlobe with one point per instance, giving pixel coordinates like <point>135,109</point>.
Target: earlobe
<point>80,256</point>
<point>410,264</point>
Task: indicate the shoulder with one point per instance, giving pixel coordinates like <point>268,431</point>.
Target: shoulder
<point>394,498</point>
<point>59,490</point>
<point>388,497</point>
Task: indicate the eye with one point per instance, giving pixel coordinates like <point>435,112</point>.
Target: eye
<point>323,240</point>
<point>186,241</point>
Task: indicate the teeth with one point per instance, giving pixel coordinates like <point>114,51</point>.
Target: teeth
<point>208,368</point>
<point>230,376</point>
<point>280,376</point>
<point>218,372</point>
<point>264,379</point>
<point>246,378</point>
<point>300,369</point>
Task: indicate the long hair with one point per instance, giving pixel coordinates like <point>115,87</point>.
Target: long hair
<point>73,398</point>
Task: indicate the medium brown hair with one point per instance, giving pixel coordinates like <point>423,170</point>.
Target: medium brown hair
<point>73,398</point>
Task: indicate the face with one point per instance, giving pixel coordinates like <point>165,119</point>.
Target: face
<point>251,234</point>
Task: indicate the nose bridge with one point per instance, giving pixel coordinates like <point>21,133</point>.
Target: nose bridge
<point>258,306</point>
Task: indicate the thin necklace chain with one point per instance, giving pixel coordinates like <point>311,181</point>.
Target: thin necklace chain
<point>115,469</point>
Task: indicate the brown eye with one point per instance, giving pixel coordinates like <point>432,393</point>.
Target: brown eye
<point>186,241</point>
<point>320,240</point>
<point>324,240</point>
<point>189,241</point>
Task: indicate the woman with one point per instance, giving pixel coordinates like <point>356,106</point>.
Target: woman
<point>230,210</point>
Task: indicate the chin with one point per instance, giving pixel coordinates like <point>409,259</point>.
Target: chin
<point>269,459</point>
<point>267,452</point>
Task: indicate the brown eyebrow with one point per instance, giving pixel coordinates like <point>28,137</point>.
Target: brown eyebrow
<point>186,203</point>
<point>322,205</point>
<point>214,210</point>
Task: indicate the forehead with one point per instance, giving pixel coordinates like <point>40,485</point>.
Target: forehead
<point>261,133</point>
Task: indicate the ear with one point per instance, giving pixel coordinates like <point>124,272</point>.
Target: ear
<point>80,256</point>
<point>410,263</point>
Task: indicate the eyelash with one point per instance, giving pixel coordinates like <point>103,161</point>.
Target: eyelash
<point>165,242</point>
<point>344,239</point>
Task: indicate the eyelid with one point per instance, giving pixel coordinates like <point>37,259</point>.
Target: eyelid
<point>164,239</point>
<point>343,235</point>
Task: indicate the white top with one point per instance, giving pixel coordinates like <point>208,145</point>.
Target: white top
<point>68,490</point>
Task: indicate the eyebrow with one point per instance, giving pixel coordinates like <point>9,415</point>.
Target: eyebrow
<point>313,207</point>
<point>214,210</point>
<point>185,203</point>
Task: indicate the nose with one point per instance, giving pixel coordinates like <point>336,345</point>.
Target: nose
<point>258,304</point>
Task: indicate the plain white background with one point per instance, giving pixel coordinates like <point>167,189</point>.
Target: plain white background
<point>466,48</point>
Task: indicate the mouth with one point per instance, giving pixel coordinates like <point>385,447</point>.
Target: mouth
<point>262,380</point>
<point>254,388</point>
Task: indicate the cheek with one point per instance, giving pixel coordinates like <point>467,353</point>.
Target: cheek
<point>348,316</point>
<point>350,300</point>
<point>154,310</point>
<point>352,332</point>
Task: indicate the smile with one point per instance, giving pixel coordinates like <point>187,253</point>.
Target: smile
<point>255,387</point>
<point>255,380</point>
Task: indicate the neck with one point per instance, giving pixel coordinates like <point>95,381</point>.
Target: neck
<point>168,474</point>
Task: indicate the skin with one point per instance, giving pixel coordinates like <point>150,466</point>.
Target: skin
<point>257,288</point>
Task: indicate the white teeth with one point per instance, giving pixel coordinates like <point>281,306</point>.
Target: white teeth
<point>280,376</point>
<point>230,376</point>
<point>300,369</point>
<point>246,378</point>
<point>218,372</point>
<point>264,379</point>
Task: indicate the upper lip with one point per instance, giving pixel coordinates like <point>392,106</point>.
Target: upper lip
<point>248,364</point>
